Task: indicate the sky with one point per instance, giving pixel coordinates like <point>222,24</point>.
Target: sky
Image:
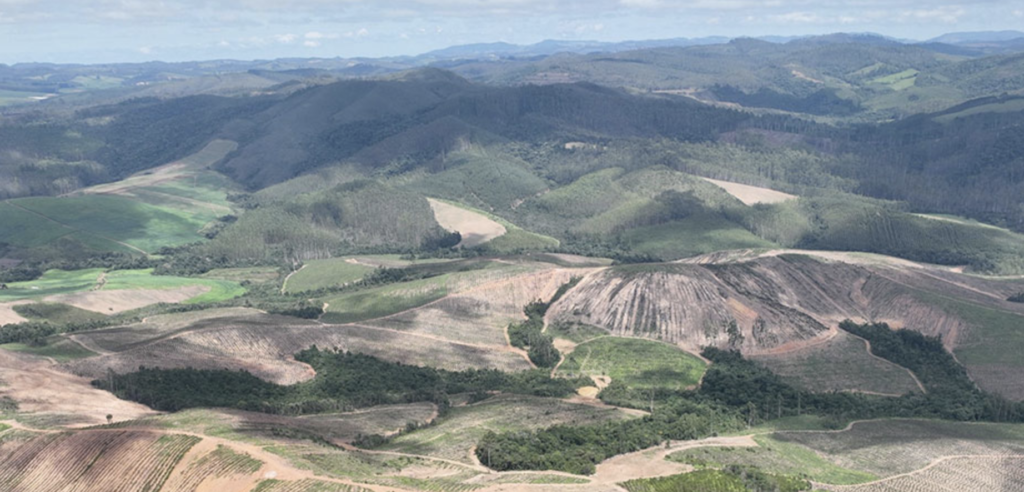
<point>102,31</point>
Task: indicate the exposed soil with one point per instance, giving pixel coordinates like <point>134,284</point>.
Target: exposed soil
<point>39,387</point>
<point>7,314</point>
<point>116,301</point>
<point>751,195</point>
<point>476,229</point>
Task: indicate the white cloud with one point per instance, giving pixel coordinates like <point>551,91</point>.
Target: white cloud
<point>796,18</point>
<point>948,15</point>
<point>311,44</point>
<point>146,50</point>
<point>1018,13</point>
<point>285,38</point>
<point>320,35</point>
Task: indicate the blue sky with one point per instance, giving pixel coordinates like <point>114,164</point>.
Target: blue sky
<point>91,31</point>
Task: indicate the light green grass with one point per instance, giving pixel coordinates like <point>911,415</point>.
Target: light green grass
<point>898,81</point>
<point>63,282</point>
<point>635,362</point>
<point>220,290</point>
<point>775,456</point>
<point>319,274</point>
<point>51,283</point>
<point>385,300</point>
<point>692,236</point>
<point>17,97</point>
<point>243,274</point>
<point>61,350</point>
<point>118,218</point>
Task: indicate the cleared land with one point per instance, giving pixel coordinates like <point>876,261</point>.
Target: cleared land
<point>842,363</point>
<point>40,388</point>
<point>892,447</point>
<point>8,316</point>
<point>957,474</point>
<point>634,362</point>
<point>751,195</point>
<point>100,460</point>
<point>475,228</point>
<point>775,302</point>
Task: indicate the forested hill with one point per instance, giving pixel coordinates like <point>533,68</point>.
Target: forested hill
<point>400,124</point>
<point>965,160</point>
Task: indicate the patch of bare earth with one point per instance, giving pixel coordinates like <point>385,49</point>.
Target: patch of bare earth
<point>116,301</point>
<point>475,228</point>
<point>8,316</point>
<point>39,387</point>
<point>751,195</point>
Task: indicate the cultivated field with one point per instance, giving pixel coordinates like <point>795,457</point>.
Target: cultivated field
<point>893,447</point>
<point>636,363</point>
<point>967,474</point>
<point>117,460</point>
<point>841,363</point>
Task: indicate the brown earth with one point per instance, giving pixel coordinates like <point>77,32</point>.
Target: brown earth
<point>7,314</point>
<point>751,195</point>
<point>39,387</point>
<point>475,228</point>
<point>117,301</point>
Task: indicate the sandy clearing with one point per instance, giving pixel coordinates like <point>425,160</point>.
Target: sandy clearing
<point>116,301</point>
<point>40,388</point>
<point>750,195</point>
<point>7,314</point>
<point>476,229</point>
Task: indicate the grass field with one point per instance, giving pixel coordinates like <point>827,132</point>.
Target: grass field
<point>165,206</point>
<point>454,436</point>
<point>62,350</point>
<point>692,236</point>
<point>255,275</point>
<point>56,282</point>
<point>635,362</point>
<point>1010,106</point>
<point>334,272</point>
<point>383,301</point>
<point>991,348</point>
<point>841,364</point>
<point>219,290</point>
<point>114,218</point>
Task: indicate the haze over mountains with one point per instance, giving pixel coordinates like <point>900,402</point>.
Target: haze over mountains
<point>777,264</point>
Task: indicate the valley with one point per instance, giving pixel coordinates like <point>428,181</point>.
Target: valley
<point>728,266</point>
